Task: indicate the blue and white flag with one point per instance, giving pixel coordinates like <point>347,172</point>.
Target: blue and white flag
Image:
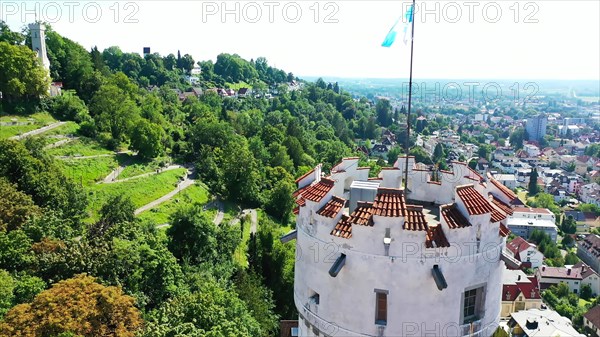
<point>391,35</point>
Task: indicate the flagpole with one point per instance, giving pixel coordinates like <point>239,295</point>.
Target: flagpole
<point>412,40</point>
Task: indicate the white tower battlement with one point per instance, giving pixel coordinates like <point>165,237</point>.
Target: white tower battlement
<point>38,43</point>
<point>407,263</point>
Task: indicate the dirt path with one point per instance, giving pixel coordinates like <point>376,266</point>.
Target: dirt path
<point>111,177</point>
<point>220,213</point>
<point>187,182</point>
<point>60,142</point>
<point>38,131</point>
<point>253,219</point>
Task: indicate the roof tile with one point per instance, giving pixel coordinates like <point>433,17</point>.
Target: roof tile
<point>415,219</point>
<point>474,202</point>
<point>389,202</point>
<point>317,192</point>
<point>501,205</point>
<point>435,237</point>
<point>454,217</point>
<point>332,207</point>
<point>343,229</point>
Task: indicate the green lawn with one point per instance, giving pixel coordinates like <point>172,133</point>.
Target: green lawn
<point>88,171</point>
<point>38,120</point>
<point>583,303</point>
<point>80,147</point>
<point>238,86</point>
<point>69,128</point>
<point>162,213</point>
<point>141,191</point>
<point>136,166</point>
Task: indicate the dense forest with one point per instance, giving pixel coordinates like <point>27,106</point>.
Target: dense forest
<point>62,274</point>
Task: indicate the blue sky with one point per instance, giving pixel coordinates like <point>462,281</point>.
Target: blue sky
<point>552,39</point>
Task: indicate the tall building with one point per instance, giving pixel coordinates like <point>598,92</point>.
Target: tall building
<point>536,127</point>
<point>38,43</point>
<point>427,260</point>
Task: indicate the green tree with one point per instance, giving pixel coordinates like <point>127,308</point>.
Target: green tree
<point>571,258</point>
<point>22,77</point>
<point>7,286</point>
<point>259,300</point>
<point>16,207</point>
<point>438,152</point>
<point>192,235</point>
<point>68,106</point>
<point>383,109</point>
<point>280,200</point>
<point>146,139</point>
<point>533,186</point>
<point>586,291</point>
<point>114,111</point>
<point>8,36</point>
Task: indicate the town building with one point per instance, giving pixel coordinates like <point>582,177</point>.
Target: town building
<point>536,127</point>
<point>374,269</point>
<point>525,252</point>
<point>519,292</point>
<point>548,276</point>
<point>590,277</point>
<point>591,320</point>
<point>541,323</point>
<point>588,251</point>
<point>38,43</point>
<point>525,220</point>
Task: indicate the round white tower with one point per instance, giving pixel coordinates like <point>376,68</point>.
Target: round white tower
<point>397,265</point>
<point>38,43</point>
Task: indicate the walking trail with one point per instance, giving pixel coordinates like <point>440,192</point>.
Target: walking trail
<point>112,177</point>
<point>185,183</point>
<point>38,131</point>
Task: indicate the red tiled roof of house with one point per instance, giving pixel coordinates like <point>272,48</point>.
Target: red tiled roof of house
<point>477,174</point>
<point>560,272</point>
<point>317,192</point>
<point>510,292</point>
<point>501,205</point>
<point>332,207</point>
<point>300,202</point>
<point>585,269</point>
<point>474,202</point>
<point>453,217</point>
<point>343,229</point>
<point>363,214</point>
<point>435,237</point>
<point>497,215</point>
<point>296,210</point>
<point>503,231</point>
<point>389,202</point>
<point>507,191</point>
<point>415,219</point>
<point>593,315</point>
<point>299,191</point>
<point>305,175</point>
<point>518,245</point>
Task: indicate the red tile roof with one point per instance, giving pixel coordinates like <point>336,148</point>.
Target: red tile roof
<point>299,191</point>
<point>501,205</point>
<point>389,202</point>
<point>453,217</point>
<point>363,214</point>
<point>475,173</point>
<point>529,290</point>
<point>518,245</point>
<point>560,272</point>
<point>300,202</point>
<point>474,202</point>
<point>497,215</point>
<point>305,175</point>
<point>332,207</point>
<point>585,269</point>
<point>317,192</point>
<point>503,231</point>
<point>435,237</point>
<point>507,191</point>
<point>343,229</point>
<point>415,219</point>
<point>296,210</point>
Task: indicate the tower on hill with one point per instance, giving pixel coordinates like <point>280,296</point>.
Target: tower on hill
<point>38,43</point>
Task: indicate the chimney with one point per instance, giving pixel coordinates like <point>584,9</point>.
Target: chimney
<point>569,271</point>
<point>543,268</point>
<point>519,278</point>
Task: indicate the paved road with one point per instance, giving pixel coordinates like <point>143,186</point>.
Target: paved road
<point>111,177</point>
<point>38,131</point>
<point>187,182</point>
<point>253,219</point>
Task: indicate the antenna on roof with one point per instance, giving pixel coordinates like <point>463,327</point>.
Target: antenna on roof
<point>412,40</point>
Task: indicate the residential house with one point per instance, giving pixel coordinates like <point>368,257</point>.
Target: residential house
<point>519,292</point>
<point>508,180</point>
<point>591,320</point>
<point>588,251</point>
<point>525,252</point>
<point>244,92</point>
<point>548,276</point>
<point>589,276</point>
<point>584,220</point>
<point>541,323</point>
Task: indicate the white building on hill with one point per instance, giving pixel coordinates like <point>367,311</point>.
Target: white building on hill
<point>427,260</point>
